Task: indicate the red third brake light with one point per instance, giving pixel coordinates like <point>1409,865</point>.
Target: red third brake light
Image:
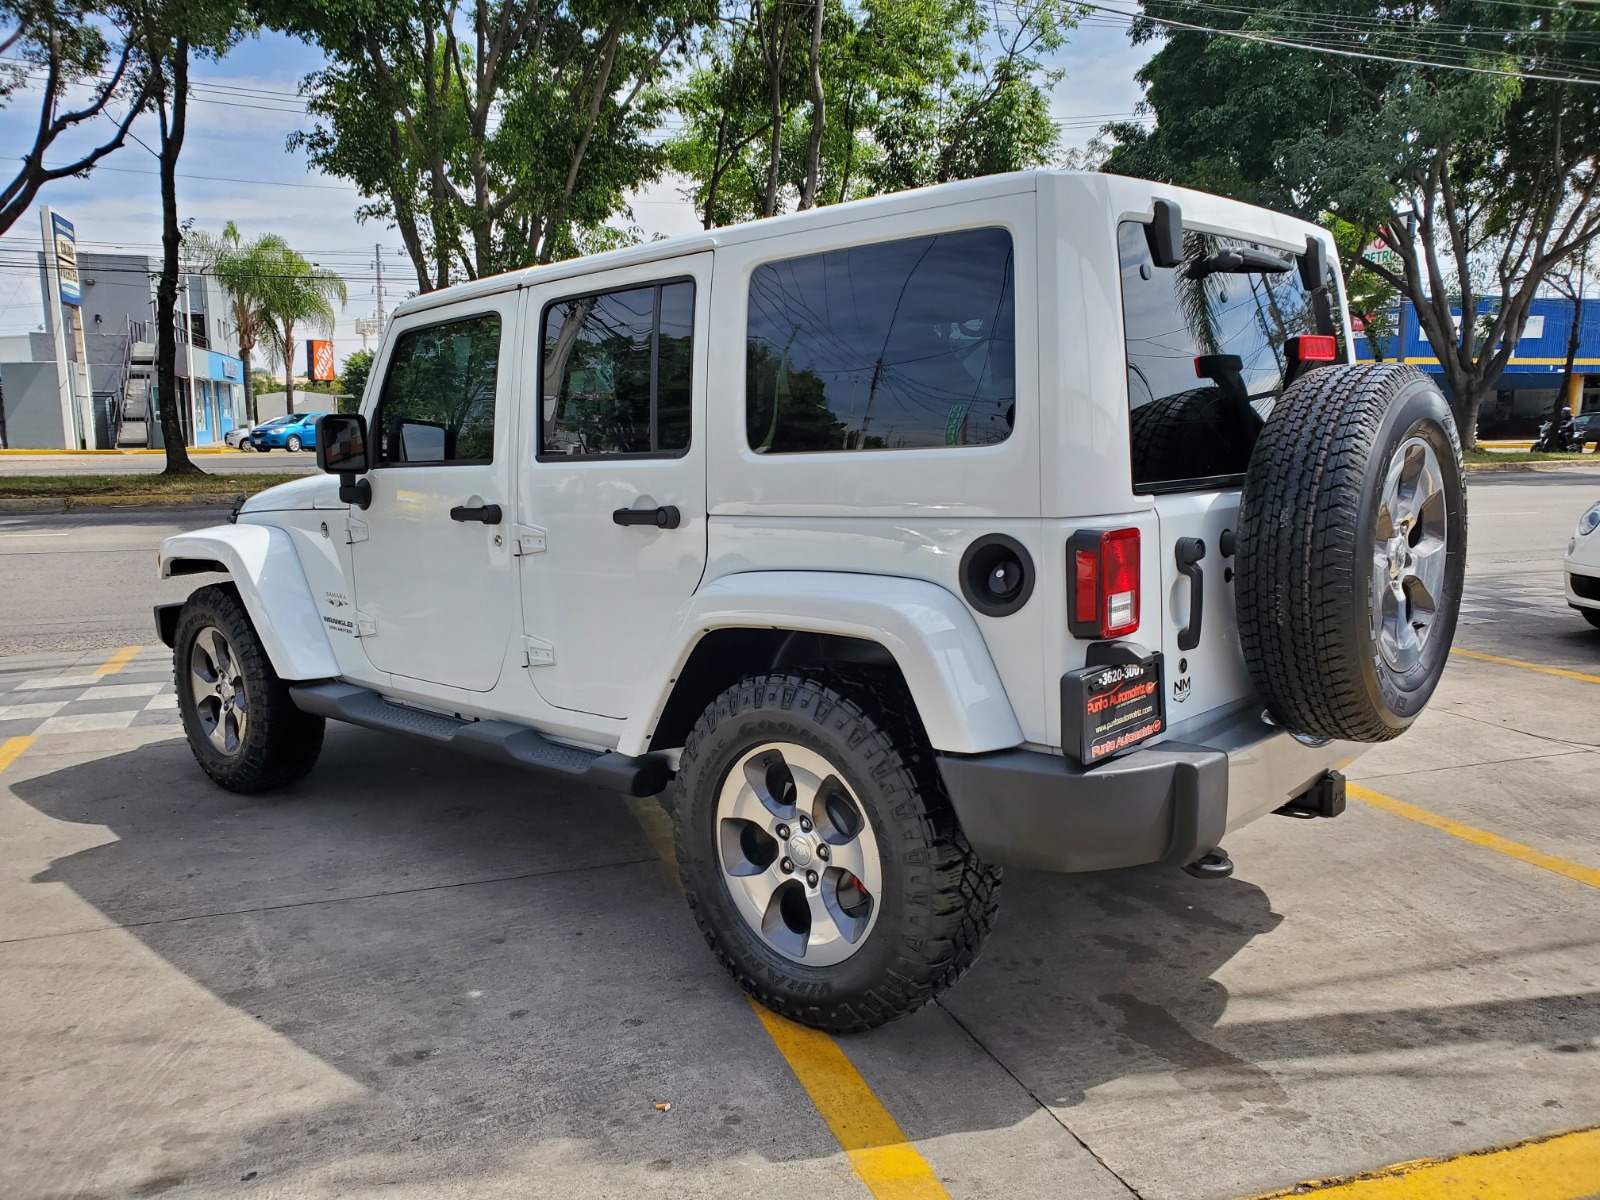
<point>1314,347</point>
<point>1105,583</point>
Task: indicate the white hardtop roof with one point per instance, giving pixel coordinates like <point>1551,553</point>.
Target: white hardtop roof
<point>1288,229</point>
<point>959,192</point>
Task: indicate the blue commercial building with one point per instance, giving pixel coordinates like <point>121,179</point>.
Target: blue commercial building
<point>1530,386</point>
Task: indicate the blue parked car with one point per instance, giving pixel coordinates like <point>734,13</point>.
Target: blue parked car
<point>294,432</point>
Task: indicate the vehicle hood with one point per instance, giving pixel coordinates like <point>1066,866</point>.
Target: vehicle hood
<point>314,491</point>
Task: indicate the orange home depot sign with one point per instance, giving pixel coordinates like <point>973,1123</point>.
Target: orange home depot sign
<point>319,360</point>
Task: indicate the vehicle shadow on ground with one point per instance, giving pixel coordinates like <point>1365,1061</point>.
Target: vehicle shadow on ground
<point>505,969</point>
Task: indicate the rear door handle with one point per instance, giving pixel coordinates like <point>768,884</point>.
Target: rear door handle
<point>1189,552</point>
<point>665,517</point>
<point>487,514</point>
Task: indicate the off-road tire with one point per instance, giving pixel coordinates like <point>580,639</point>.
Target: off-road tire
<point>281,743</point>
<point>939,901</point>
<point>1306,541</point>
<point>1171,438</point>
<point>292,445</point>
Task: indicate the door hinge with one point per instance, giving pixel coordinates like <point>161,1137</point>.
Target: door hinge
<point>355,530</point>
<point>530,539</point>
<point>536,652</point>
<point>366,626</point>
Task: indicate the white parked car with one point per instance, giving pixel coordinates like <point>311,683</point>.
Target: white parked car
<point>236,437</point>
<point>1038,520</point>
<point>1582,566</point>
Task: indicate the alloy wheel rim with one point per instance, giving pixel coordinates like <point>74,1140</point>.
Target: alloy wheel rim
<point>1409,554</point>
<point>798,855</point>
<point>216,681</point>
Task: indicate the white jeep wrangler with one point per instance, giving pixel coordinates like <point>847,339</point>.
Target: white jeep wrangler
<point>1040,520</point>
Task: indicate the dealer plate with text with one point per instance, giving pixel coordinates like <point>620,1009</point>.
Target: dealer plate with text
<point>1112,708</point>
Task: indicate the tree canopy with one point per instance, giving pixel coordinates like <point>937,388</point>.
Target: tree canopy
<point>1463,133</point>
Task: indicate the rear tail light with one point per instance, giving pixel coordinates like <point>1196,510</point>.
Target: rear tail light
<point>1103,576</point>
<point>1313,347</point>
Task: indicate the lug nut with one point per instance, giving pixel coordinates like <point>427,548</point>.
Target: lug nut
<point>805,824</point>
<point>786,866</point>
<point>783,833</point>
<point>811,879</point>
<point>822,852</point>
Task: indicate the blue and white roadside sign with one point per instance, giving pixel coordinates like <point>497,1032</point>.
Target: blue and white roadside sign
<point>67,260</point>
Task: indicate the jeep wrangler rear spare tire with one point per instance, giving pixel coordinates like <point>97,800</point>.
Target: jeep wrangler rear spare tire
<point>820,855</point>
<point>242,726</point>
<point>1352,544</point>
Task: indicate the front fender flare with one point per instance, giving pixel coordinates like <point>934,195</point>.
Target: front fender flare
<point>931,635</point>
<point>263,565</point>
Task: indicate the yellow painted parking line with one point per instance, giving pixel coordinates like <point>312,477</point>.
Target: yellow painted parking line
<point>117,661</point>
<point>11,749</point>
<point>1526,666</point>
<point>879,1152</point>
<point>1560,1166</point>
<point>1478,837</point>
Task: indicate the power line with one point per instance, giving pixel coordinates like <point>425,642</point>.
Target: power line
<point>1341,52</point>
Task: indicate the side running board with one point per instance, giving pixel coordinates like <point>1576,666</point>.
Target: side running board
<point>499,741</point>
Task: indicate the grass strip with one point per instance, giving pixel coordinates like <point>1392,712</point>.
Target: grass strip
<point>151,485</point>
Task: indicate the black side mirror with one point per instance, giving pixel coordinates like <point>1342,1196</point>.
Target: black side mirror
<point>1165,234</point>
<point>342,451</point>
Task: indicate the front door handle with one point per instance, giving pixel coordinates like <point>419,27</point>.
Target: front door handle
<point>665,517</point>
<point>487,514</point>
<point>1189,552</point>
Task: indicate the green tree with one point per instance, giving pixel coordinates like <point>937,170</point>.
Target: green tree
<point>244,269</point>
<point>299,298</point>
<point>169,34</point>
<point>61,45</point>
<point>353,382</point>
<point>795,104</point>
<point>1464,133</point>
<point>490,134</point>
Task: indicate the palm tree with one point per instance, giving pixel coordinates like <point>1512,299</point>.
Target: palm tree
<point>244,270</point>
<point>299,295</point>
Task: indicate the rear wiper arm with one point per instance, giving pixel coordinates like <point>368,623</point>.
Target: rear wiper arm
<point>1240,262</point>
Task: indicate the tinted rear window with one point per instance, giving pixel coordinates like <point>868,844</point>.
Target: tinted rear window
<point>901,345</point>
<point>1193,430</point>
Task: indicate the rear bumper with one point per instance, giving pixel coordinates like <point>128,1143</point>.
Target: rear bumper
<point>1170,803</point>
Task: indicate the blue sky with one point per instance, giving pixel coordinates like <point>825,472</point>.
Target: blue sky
<point>236,167</point>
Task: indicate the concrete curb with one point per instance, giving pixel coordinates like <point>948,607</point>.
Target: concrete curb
<point>1572,464</point>
<point>61,504</point>
<point>192,451</point>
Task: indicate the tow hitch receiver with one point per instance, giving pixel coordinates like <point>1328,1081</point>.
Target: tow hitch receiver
<point>1325,798</point>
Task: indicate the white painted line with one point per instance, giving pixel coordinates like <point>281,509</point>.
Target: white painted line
<point>59,681</point>
<point>169,702</point>
<point>122,691</point>
<point>87,722</point>
<point>41,708</point>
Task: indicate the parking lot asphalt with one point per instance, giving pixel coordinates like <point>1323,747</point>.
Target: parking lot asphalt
<point>419,975</point>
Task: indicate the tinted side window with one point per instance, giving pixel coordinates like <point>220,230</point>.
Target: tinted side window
<point>1206,357</point>
<point>438,397</point>
<point>893,346</point>
<point>616,372</point>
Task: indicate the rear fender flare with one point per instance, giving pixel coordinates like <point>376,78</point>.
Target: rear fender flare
<point>928,631</point>
<point>263,565</point>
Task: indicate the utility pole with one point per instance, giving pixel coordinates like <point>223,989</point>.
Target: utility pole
<point>377,251</point>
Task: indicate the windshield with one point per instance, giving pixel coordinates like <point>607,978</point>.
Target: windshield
<point>1207,352</point>
<point>276,422</point>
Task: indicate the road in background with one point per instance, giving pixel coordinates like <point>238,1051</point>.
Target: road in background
<point>83,580</point>
<point>224,462</point>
